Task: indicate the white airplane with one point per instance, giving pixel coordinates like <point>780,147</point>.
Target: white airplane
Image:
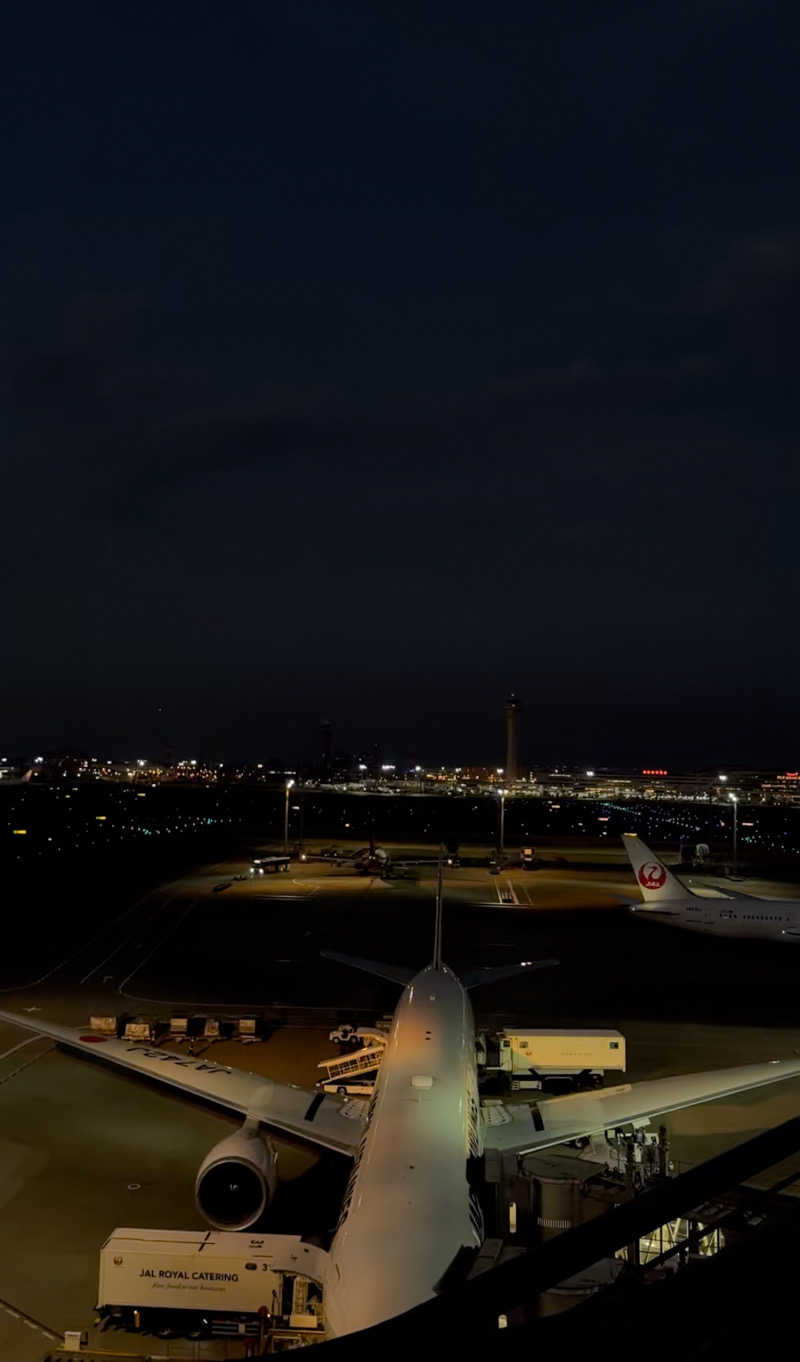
<point>376,860</point>
<point>411,1210</point>
<point>732,914</point>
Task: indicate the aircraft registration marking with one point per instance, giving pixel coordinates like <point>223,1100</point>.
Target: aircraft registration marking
<point>200,1065</point>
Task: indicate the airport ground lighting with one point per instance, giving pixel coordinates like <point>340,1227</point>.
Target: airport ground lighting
<point>289,785</point>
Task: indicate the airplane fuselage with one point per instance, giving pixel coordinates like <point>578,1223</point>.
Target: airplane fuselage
<point>763,919</point>
<point>408,1208</point>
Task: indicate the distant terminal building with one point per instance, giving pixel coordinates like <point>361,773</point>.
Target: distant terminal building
<point>659,782</point>
<point>782,789</point>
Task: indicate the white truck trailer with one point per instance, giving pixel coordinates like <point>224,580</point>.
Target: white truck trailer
<point>535,1059</point>
<point>198,1283</point>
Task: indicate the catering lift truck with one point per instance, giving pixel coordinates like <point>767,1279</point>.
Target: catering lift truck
<point>198,1284</point>
<point>554,1060</point>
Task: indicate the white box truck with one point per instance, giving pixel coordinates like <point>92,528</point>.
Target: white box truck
<point>579,1059</point>
<point>199,1283</point>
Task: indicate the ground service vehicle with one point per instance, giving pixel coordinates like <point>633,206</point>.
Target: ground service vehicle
<point>534,1058</point>
<point>197,1283</point>
<point>269,863</point>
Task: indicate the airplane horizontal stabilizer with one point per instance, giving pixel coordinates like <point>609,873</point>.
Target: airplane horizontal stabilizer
<point>398,974</point>
<point>522,1129</point>
<point>492,974</point>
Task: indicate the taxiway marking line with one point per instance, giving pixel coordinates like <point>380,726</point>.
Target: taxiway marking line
<point>126,912</point>
<point>31,1323</point>
<point>119,946</point>
<point>171,929</point>
<point>14,1048</point>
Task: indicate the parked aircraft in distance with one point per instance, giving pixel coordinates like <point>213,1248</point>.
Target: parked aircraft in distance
<point>732,914</point>
<point>374,860</point>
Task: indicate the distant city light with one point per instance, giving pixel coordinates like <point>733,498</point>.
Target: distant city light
<point>722,778</point>
<point>20,832</point>
<point>362,766</point>
<point>590,773</point>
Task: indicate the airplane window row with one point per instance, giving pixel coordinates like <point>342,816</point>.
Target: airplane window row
<point>752,917</point>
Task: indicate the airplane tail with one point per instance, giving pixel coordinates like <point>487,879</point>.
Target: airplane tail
<point>399,974</point>
<point>656,882</point>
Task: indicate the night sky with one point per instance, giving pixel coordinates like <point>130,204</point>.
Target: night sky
<point>363,362</point>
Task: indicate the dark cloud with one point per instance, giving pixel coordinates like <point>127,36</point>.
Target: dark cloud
<point>461,344</point>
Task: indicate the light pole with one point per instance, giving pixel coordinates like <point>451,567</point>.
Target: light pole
<point>734,800</point>
<point>502,794</point>
<point>289,785</point>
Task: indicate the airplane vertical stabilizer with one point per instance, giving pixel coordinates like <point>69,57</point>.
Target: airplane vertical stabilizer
<point>437,924</point>
<point>656,882</point>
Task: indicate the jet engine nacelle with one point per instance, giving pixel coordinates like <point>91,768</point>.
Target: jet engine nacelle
<point>236,1180</point>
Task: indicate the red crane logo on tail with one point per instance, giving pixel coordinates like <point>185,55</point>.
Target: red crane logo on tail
<point>652,875</point>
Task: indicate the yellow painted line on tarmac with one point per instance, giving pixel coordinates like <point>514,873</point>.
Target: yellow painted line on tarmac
<point>19,1046</point>
<point>32,1323</point>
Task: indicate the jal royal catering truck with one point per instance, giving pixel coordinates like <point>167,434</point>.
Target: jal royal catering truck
<point>544,1058</point>
<point>199,1283</point>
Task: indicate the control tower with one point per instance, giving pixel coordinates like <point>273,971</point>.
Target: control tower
<point>511,766</point>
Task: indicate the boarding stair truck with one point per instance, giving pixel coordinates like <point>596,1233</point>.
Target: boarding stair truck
<point>553,1059</point>
<point>352,1074</point>
<point>202,1283</point>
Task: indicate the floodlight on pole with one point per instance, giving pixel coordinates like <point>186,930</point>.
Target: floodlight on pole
<point>734,800</point>
<point>289,785</point>
<point>502,794</point>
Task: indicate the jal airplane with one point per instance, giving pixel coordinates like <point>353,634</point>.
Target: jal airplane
<point>411,1210</point>
<point>733,914</point>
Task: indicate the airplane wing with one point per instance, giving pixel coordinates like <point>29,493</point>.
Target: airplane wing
<point>721,892</point>
<point>521,1129</point>
<point>321,1119</point>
